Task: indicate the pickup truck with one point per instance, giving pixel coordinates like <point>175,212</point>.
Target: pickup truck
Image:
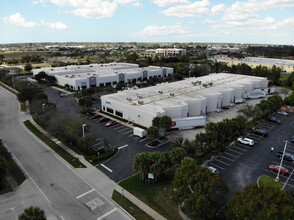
<point>246,141</point>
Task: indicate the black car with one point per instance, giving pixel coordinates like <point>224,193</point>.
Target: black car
<point>287,156</point>
<point>260,131</point>
<point>274,120</point>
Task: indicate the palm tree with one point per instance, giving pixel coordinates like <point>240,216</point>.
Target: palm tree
<point>32,213</point>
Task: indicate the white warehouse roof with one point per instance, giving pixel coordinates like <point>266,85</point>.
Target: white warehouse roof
<point>185,98</point>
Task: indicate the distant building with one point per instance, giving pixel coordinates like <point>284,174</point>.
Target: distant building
<point>94,75</point>
<point>185,99</point>
<point>170,52</point>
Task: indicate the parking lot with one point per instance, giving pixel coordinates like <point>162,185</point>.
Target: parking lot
<point>240,164</point>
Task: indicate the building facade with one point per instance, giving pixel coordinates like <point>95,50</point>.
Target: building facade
<point>170,52</point>
<point>191,97</point>
<point>95,75</point>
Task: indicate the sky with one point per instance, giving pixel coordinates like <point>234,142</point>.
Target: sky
<point>200,21</point>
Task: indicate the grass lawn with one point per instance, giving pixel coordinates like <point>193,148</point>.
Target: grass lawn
<point>63,153</point>
<point>157,195</point>
<point>134,210</point>
<point>268,181</point>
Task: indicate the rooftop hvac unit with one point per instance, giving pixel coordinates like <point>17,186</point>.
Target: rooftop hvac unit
<point>140,102</point>
<point>194,83</point>
<point>172,94</point>
<point>204,85</point>
<point>139,96</point>
<point>160,92</point>
<point>129,99</point>
<point>210,84</point>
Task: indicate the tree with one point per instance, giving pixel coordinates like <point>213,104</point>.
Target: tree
<point>85,101</point>
<point>261,203</point>
<point>32,213</point>
<point>28,67</point>
<point>3,167</point>
<point>199,192</point>
<point>152,132</point>
<point>176,155</point>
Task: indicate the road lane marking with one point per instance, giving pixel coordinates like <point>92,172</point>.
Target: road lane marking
<point>131,135</point>
<point>222,162</point>
<point>227,158</point>
<point>80,196</point>
<point>106,168</point>
<point>122,147</point>
<point>95,203</point>
<point>107,213</point>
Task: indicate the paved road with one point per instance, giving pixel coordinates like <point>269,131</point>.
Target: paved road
<point>58,186</point>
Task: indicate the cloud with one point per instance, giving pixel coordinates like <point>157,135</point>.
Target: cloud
<point>94,8</point>
<point>18,20</point>
<point>188,10</point>
<point>164,3</point>
<point>217,9</point>
<point>57,25</point>
<point>155,31</point>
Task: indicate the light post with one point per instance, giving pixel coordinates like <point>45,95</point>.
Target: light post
<point>277,178</point>
<point>83,128</point>
<point>43,106</point>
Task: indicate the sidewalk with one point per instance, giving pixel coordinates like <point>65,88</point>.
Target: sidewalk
<point>95,177</point>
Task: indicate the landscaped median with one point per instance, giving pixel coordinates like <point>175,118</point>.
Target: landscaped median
<point>63,153</point>
<point>268,181</point>
<point>157,196</point>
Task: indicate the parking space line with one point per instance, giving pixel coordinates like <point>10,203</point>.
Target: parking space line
<point>227,158</point>
<point>116,127</point>
<point>96,144</point>
<point>235,151</point>
<point>239,148</point>
<point>217,166</point>
<point>131,135</point>
<point>259,137</point>
<point>222,162</point>
<point>80,196</point>
<point>128,132</point>
<point>106,168</point>
<point>125,128</point>
<point>107,213</point>
<point>231,155</point>
<point>122,146</point>
<point>242,145</point>
<point>143,139</point>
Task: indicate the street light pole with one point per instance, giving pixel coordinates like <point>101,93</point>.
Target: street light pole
<point>43,106</point>
<point>277,178</point>
<point>83,128</point>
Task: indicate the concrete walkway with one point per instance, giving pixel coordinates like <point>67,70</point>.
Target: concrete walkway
<point>95,177</point>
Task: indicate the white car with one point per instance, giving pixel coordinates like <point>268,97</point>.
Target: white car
<point>212,169</point>
<point>283,113</point>
<point>246,141</point>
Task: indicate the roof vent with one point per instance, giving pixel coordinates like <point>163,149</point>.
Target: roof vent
<point>172,94</point>
<point>141,102</point>
<point>129,99</point>
<point>210,84</point>
<point>160,92</point>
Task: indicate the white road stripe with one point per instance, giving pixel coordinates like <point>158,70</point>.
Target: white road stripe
<point>231,155</point>
<point>130,135</point>
<point>128,132</point>
<point>107,213</point>
<point>106,168</point>
<point>118,127</point>
<point>143,140</point>
<point>217,166</point>
<point>122,147</point>
<point>239,148</point>
<point>80,196</point>
<point>235,151</point>
<point>227,158</point>
<point>123,129</point>
<point>222,162</point>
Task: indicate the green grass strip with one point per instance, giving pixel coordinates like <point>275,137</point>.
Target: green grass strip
<point>265,181</point>
<point>130,207</point>
<point>63,153</point>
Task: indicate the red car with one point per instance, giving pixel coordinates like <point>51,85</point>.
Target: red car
<point>95,116</point>
<point>275,168</point>
<point>111,123</point>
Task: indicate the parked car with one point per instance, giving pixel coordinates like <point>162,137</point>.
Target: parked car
<point>212,169</point>
<point>274,119</point>
<point>246,141</point>
<point>95,116</point>
<point>260,131</point>
<point>102,119</point>
<point>283,113</point>
<point>287,156</point>
<point>111,123</point>
<point>275,168</point>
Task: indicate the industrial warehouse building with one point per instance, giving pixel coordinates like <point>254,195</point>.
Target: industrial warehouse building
<point>191,98</point>
<point>78,77</point>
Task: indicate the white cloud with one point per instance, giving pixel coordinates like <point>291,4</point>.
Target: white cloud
<point>57,25</point>
<point>94,8</point>
<point>155,31</point>
<point>287,23</point>
<point>42,2</point>
<point>188,10</point>
<point>164,3</point>
<point>18,20</point>
<point>217,9</point>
